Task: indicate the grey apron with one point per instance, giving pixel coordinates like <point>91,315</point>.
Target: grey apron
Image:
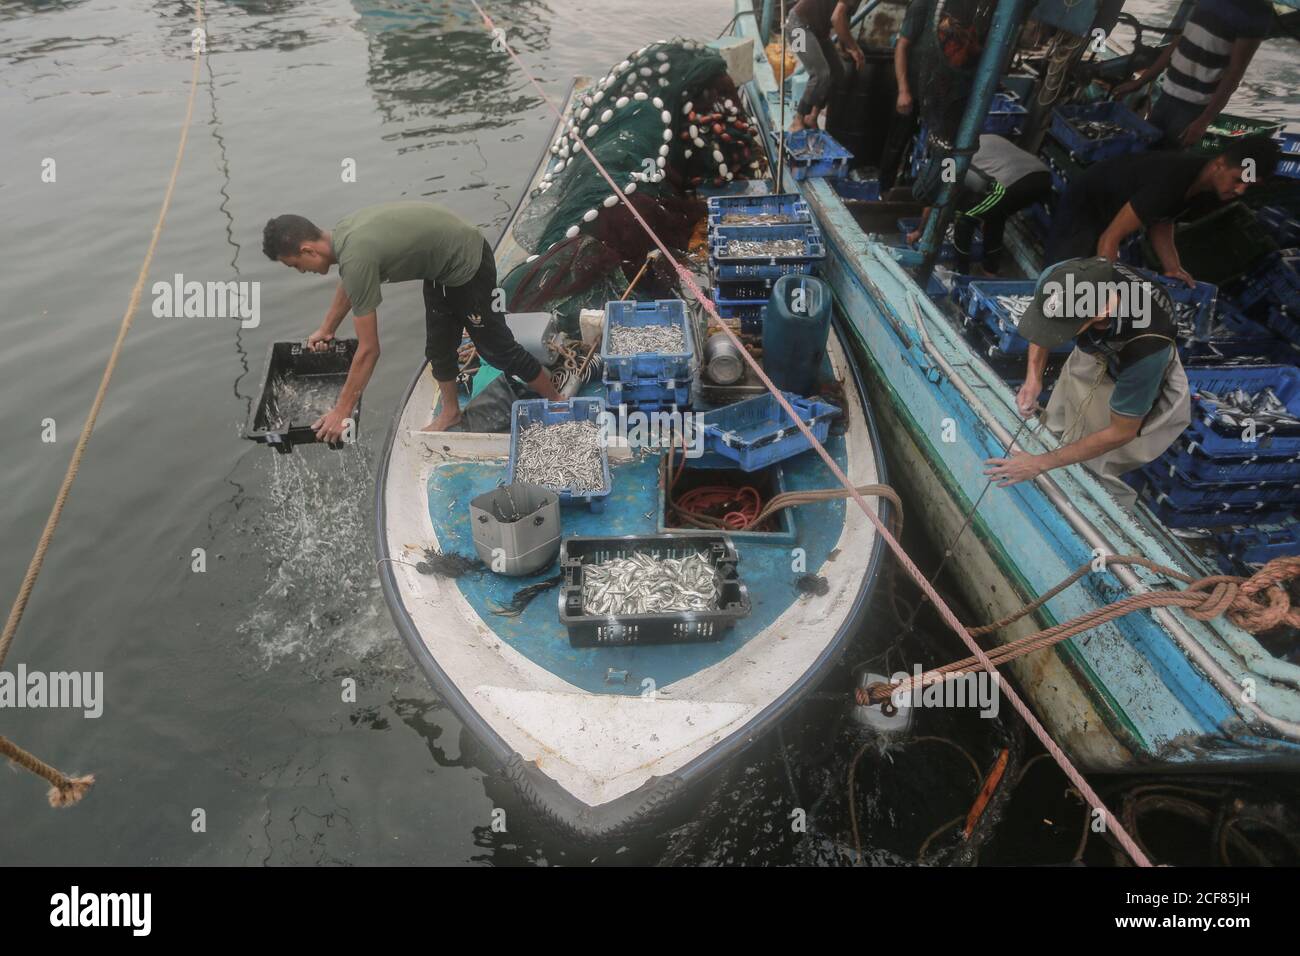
<point>1080,405</point>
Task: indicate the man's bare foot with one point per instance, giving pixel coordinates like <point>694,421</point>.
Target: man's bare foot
<point>446,419</point>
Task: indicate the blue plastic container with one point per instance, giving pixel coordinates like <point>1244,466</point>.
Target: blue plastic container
<point>741,270</point>
<point>980,300</point>
<point>864,190</point>
<point>814,154</point>
<point>757,432</point>
<point>1203,297</point>
<point>795,328</point>
<point>1190,460</point>
<point>1140,135</point>
<point>757,290</point>
<point>749,312</point>
<point>1242,549</point>
<point>1168,484</point>
<point>647,393</point>
<point>1290,164</point>
<point>790,205</point>
<point>524,414</point>
<point>663,365</point>
<point>811,237</point>
<point>1223,442</point>
<point>1006,117</point>
<point>1173,517</point>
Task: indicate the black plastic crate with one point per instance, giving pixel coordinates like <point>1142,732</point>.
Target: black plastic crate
<point>671,627</point>
<point>298,386</point>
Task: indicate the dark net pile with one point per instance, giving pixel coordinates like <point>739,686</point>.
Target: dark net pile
<point>663,122</point>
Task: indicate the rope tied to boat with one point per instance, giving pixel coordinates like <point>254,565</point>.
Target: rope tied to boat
<point>1257,603</point>
<point>71,789</point>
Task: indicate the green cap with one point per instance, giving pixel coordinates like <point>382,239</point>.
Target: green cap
<point>1049,320</point>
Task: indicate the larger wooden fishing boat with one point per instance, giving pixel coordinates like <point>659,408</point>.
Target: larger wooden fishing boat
<point>1153,690</point>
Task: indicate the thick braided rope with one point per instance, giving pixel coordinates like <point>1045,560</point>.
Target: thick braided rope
<point>1257,603</point>
<point>71,789</point>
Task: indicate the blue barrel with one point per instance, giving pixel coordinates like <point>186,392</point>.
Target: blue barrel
<point>795,328</point>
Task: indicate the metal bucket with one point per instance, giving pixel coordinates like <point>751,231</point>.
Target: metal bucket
<point>516,528</point>
<point>723,362</point>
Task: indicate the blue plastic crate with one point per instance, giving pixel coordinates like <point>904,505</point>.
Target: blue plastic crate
<point>1173,517</point>
<point>864,190</point>
<point>1165,483</point>
<point>1218,441</point>
<point>648,393</point>
<point>981,303</point>
<point>1141,133</point>
<point>751,270</point>
<point>757,290</point>
<point>664,365</point>
<point>1006,117</point>
<point>750,313</point>
<point>1281,225</point>
<point>1203,298</point>
<point>1248,547</point>
<point>814,154</point>
<point>1275,281</point>
<point>790,205</point>
<point>1189,459</point>
<point>1290,164</point>
<point>537,411</point>
<point>811,236</point>
<point>757,432</point>
<point>1281,322</point>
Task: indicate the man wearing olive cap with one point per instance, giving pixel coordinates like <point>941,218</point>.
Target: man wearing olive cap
<point>1122,397</point>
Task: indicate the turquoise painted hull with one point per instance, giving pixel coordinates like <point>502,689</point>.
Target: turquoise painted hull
<point>1124,697</point>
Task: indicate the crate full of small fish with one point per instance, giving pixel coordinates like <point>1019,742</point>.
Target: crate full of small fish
<point>1246,411</point>
<point>559,445</point>
<point>650,589</point>
<point>299,385</point>
<point>647,340</point>
<point>999,304</point>
<point>771,210</point>
<point>814,154</point>
<point>1097,131</point>
<point>796,242</point>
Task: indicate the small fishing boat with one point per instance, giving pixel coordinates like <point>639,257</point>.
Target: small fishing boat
<point>1155,690</point>
<point>603,741</point>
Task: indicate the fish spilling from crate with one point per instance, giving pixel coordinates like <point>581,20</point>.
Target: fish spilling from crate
<point>301,400</point>
<point>764,248</point>
<point>1100,129</point>
<point>639,339</point>
<point>1263,407</point>
<point>1015,306</point>
<point>563,456</point>
<point>641,584</point>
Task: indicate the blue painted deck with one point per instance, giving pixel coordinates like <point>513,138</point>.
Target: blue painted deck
<point>632,508</point>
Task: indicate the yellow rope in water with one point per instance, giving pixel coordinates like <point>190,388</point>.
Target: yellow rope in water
<point>71,790</point>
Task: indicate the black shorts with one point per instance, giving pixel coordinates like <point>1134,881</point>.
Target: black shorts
<point>451,310</point>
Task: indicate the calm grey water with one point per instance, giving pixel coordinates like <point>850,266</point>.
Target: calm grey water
<point>223,688</point>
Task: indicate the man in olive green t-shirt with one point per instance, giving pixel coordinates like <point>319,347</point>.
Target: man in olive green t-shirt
<point>403,242</point>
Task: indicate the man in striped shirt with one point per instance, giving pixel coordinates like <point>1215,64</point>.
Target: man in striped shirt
<point>1203,66</point>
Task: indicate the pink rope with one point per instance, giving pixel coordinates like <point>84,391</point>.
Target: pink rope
<point>1068,768</point>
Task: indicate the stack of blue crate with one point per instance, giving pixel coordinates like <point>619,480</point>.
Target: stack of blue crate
<point>1226,470</point>
<point>647,380</point>
<point>742,282</point>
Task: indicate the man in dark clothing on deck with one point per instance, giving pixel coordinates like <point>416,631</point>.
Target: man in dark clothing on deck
<point>1111,200</point>
<point>402,242</point>
<point>813,21</point>
<point>904,124</point>
<point>1002,180</point>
